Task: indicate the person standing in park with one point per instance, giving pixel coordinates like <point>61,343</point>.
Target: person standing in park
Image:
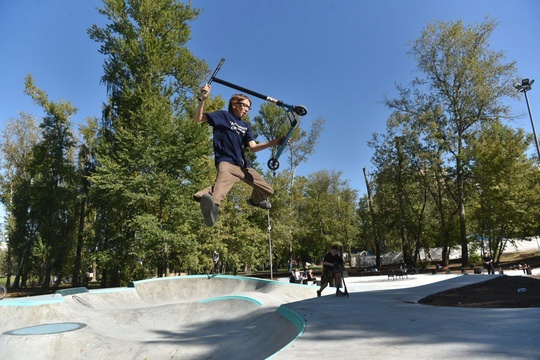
<point>488,264</point>
<point>230,136</point>
<point>332,265</point>
<point>217,262</point>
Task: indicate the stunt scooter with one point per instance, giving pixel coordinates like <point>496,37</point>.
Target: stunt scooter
<point>291,111</point>
<point>346,292</point>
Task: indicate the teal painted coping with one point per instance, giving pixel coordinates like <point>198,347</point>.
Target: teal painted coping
<point>290,315</point>
<point>35,302</point>
<point>71,291</point>
<point>232,297</point>
<point>54,299</point>
<point>111,290</point>
<point>295,318</point>
<point>204,276</point>
<point>28,302</point>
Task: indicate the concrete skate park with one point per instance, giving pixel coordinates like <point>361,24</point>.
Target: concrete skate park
<point>230,317</point>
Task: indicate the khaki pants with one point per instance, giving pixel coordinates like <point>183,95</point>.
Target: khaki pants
<point>228,175</point>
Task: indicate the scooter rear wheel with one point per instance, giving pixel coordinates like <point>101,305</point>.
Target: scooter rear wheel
<point>273,164</point>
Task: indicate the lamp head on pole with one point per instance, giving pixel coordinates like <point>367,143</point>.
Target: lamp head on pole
<point>525,85</point>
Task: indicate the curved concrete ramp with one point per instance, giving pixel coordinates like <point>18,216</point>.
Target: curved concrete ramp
<point>188,317</point>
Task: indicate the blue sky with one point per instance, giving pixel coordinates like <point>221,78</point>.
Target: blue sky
<point>339,58</point>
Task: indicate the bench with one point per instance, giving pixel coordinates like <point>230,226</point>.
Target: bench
<point>402,273</point>
<point>394,274</point>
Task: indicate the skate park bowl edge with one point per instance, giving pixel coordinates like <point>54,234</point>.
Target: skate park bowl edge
<point>189,317</point>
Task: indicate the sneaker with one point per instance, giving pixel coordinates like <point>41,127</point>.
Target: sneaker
<point>318,293</point>
<point>265,204</point>
<point>209,210</point>
<point>339,293</point>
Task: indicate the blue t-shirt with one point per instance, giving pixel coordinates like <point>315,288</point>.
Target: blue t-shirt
<point>231,135</point>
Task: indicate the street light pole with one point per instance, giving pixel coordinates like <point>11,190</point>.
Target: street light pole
<point>525,86</point>
<point>270,246</point>
<point>532,123</point>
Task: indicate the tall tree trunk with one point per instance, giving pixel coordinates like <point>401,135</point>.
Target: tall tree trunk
<point>375,233</point>
<point>17,280</point>
<point>80,238</point>
<point>9,265</point>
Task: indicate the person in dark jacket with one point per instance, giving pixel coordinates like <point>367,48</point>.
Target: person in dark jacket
<point>332,269</point>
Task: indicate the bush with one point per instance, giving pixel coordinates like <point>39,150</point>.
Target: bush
<point>474,259</point>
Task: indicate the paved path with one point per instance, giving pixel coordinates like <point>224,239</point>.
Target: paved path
<point>381,320</point>
<point>192,317</point>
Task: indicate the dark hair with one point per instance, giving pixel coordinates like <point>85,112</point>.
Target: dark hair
<point>334,247</point>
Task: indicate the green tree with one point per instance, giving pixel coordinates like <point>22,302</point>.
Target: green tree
<point>463,84</point>
<point>18,140</point>
<point>272,122</point>
<point>326,214</point>
<point>86,165</point>
<point>506,186</point>
<point>53,192</point>
<point>412,182</point>
<point>151,156</point>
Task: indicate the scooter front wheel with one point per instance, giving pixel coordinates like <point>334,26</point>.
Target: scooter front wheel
<point>300,110</point>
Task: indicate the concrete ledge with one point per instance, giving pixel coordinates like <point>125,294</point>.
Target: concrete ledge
<point>71,291</point>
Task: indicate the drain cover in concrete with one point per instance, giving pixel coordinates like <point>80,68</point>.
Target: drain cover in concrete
<point>47,329</point>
